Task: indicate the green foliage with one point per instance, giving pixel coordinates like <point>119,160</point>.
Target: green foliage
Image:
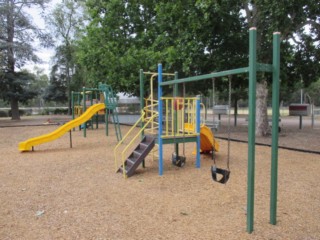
<point>57,89</point>
<point>61,111</point>
<point>300,50</point>
<point>196,37</point>
<point>21,112</point>
<point>124,37</point>
<point>17,36</point>
<point>66,21</point>
<point>56,111</point>
<point>18,32</point>
<point>4,113</point>
<point>314,92</point>
<point>17,85</point>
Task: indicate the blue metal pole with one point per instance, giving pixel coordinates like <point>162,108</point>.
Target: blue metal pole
<point>160,119</point>
<point>198,131</point>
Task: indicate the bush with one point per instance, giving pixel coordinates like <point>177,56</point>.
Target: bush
<point>4,113</point>
<point>21,112</point>
<point>27,112</point>
<point>57,111</point>
<point>45,111</point>
<point>61,111</point>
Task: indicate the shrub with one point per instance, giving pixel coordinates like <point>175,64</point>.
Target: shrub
<point>21,112</point>
<point>4,113</point>
<point>61,111</point>
<point>45,111</point>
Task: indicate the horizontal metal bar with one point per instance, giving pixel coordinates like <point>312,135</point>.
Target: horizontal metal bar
<point>155,73</point>
<point>173,98</point>
<point>176,139</point>
<point>206,76</point>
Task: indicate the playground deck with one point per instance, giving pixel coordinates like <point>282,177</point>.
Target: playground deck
<point>62,193</point>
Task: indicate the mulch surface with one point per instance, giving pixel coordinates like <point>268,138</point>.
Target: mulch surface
<point>57,192</point>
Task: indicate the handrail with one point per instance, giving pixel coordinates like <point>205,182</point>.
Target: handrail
<point>127,134</point>
<point>186,98</point>
<point>151,109</point>
<point>184,117</point>
<point>132,141</point>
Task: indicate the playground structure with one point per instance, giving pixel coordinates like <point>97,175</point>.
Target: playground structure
<point>181,123</point>
<point>107,103</point>
<point>89,96</point>
<point>165,136</point>
<point>180,129</point>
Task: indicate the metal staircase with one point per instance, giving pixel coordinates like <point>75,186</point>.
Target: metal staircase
<point>138,155</point>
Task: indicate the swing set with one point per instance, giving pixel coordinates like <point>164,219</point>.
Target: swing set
<point>251,70</point>
<point>166,120</point>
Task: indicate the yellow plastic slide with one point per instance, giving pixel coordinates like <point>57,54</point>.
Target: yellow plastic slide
<point>28,144</point>
<point>207,140</point>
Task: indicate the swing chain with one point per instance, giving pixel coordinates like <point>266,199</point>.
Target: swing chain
<point>225,173</point>
<point>229,121</point>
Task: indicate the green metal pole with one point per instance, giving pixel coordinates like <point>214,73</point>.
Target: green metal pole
<point>206,76</point>
<point>72,104</point>
<point>97,114</point>
<point>275,126</point>
<point>105,94</point>
<point>252,126</point>
<point>91,102</point>
<point>107,121</point>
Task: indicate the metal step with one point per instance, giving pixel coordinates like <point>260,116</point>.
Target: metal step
<point>138,155</point>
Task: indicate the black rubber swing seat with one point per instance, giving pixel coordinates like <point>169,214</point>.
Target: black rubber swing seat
<point>178,161</point>
<point>216,172</point>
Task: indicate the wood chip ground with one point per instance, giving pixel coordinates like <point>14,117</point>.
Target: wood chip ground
<point>62,193</point>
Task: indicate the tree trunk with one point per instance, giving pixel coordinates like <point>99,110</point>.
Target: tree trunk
<point>14,102</point>
<point>262,125</point>
<point>14,109</point>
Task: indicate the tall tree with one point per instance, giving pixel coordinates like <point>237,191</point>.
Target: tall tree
<point>66,21</point>
<point>124,37</point>
<point>56,91</point>
<point>39,85</point>
<point>17,36</point>
<point>196,37</point>
<point>290,18</point>
<point>18,85</point>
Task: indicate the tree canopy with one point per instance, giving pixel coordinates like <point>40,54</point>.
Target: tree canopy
<point>65,21</point>
<point>186,36</point>
<point>191,37</point>
<point>17,36</point>
<point>197,37</point>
